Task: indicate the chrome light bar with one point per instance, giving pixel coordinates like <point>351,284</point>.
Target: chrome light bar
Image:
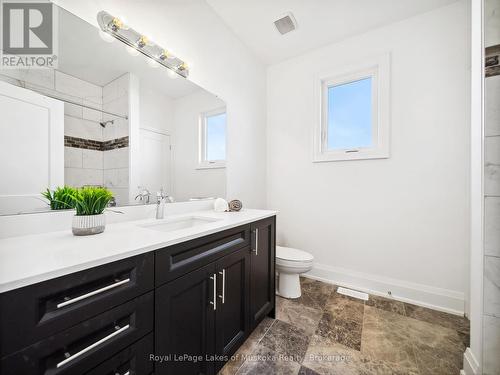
<point>115,27</point>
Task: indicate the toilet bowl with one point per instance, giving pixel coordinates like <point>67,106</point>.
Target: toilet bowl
<point>290,263</point>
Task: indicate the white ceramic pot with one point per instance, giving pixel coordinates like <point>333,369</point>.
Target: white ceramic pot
<point>85,225</point>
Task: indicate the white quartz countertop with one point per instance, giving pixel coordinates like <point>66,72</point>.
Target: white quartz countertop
<point>27,260</point>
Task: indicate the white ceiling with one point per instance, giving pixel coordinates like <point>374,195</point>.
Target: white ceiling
<point>320,22</point>
<point>85,55</point>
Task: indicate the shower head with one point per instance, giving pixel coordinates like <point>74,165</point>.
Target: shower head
<point>104,123</point>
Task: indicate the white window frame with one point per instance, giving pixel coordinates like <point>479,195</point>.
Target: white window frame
<point>203,163</point>
<point>378,70</point>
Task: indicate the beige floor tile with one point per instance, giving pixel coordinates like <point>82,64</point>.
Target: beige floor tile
<point>386,304</point>
<point>386,337</point>
<point>300,316</point>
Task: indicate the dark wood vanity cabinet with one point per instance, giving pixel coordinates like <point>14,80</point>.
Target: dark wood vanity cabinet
<point>232,311</point>
<point>184,324</point>
<point>262,270</point>
<point>202,318</point>
<point>180,310</point>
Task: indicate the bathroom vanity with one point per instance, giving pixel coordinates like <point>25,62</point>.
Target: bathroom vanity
<point>175,302</point>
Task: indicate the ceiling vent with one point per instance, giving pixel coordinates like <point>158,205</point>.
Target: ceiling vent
<point>286,23</point>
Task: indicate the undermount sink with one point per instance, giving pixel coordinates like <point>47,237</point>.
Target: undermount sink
<point>170,225</point>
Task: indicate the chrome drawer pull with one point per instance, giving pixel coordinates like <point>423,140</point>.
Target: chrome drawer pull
<point>93,293</point>
<point>256,249</point>
<point>125,373</point>
<point>90,347</point>
<point>223,295</point>
<point>214,302</point>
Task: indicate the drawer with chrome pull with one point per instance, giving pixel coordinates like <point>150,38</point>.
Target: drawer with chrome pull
<point>29,314</point>
<point>177,260</point>
<point>135,360</point>
<point>86,345</point>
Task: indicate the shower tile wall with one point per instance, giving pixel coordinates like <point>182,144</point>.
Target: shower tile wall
<point>81,166</point>
<point>491,321</point>
<point>491,275</point>
<point>115,98</point>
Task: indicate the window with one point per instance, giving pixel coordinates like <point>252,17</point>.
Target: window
<point>213,139</point>
<point>354,114</point>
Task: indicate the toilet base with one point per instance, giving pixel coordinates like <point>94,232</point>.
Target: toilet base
<point>289,285</point>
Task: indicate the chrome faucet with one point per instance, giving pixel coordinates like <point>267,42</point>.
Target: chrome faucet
<point>161,199</point>
<point>143,196</point>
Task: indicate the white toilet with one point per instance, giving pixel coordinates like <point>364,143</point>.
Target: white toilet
<point>290,263</point>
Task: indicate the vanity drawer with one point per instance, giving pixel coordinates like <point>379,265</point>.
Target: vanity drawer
<point>29,314</point>
<point>177,260</point>
<point>133,360</point>
<point>84,346</point>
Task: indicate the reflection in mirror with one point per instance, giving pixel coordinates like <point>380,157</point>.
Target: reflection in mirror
<point>107,118</point>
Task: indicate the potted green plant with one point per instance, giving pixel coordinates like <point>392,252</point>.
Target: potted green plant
<point>90,203</point>
<point>61,198</point>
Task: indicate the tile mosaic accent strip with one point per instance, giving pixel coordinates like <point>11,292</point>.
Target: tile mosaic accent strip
<point>89,144</point>
<point>492,61</point>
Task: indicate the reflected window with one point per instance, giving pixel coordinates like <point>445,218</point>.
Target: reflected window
<point>213,139</point>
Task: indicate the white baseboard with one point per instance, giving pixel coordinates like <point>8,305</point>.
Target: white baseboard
<point>423,295</point>
<point>471,365</point>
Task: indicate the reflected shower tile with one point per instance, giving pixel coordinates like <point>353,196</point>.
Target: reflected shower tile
<point>72,157</point>
<point>491,345</point>
<point>492,226</point>
<point>92,159</point>
<point>491,107</point>
<point>492,166</point>
<point>492,286</point>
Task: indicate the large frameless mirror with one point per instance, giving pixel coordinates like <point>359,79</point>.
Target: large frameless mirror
<point>107,116</point>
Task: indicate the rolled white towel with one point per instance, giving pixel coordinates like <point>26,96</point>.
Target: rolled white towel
<point>221,205</point>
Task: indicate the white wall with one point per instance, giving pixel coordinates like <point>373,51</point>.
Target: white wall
<point>399,224</point>
<point>155,108</point>
<point>189,180</point>
<point>219,63</point>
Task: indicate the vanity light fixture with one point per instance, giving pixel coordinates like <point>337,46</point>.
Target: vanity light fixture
<point>133,39</point>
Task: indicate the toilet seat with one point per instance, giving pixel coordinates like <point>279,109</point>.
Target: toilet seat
<point>293,263</point>
<point>290,255</point>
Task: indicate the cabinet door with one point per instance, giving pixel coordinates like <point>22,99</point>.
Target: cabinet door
<point>262,273</point>
<point>185,323</point>
<point>231,322</point>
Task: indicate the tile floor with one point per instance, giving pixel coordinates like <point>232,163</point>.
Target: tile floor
<point>323,332</point>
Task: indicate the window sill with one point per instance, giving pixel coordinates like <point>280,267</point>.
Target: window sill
<point>343,155</point>
<point>211,166</point>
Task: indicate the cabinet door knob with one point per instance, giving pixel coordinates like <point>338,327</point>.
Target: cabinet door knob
<point>223,295</point>
<point>214,301</point>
